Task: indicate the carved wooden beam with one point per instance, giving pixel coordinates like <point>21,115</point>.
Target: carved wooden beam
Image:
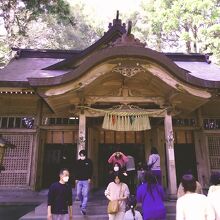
<point>124,100</point>
<point>177,84</point>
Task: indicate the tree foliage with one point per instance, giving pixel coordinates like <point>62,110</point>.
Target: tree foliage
<point>191,26</point>
<point>47,24</point>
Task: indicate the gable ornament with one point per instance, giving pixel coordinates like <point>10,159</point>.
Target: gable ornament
<point>128,70</point>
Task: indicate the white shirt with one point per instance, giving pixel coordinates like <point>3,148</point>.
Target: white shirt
<point>154,158</point>
<point>193,206</point>
<point>214,198</point>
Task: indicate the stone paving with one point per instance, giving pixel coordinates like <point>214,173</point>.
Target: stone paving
<point>96,206</point>
<point>17,202</point>
<point>22,197</point>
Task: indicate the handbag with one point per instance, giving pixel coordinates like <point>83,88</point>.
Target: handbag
<point>113,206</point>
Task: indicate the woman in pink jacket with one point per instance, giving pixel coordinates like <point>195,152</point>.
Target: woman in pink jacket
<point>118,157</point>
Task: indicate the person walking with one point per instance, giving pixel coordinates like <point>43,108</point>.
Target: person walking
<point>214,193</point>
<point>132,214</point>
<point>60,198</point>
<point>117,191</point>
<point>117,170</point>
<point>83,174</point>
<point>151,195</point>
<point>192,205</point>
<point>153,164</point>
<point>181,192</point>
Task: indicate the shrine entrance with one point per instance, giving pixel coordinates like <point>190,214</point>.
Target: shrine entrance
<point>129,142</point>
<point>106,150</point>
<point>185,155</point>
<point>185,159</point>
<point>58,156</point>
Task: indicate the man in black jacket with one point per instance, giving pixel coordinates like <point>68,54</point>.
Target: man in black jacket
<point>60,198</point>
<point>83,172</point>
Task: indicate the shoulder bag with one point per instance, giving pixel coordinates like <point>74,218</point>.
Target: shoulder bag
<point>113,206</point>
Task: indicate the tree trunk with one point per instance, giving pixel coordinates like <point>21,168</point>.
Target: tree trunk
<point>188,42</point>
<point>195,30</point>
<point>8,8</point>
<point>159,42</point>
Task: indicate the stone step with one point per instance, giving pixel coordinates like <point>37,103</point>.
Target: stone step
<point>31,216</point>
<point>96,210</point>
<point>97,207</point>
<point>170,206</point>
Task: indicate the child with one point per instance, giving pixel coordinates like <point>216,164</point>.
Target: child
<point>132,214</point>
<point>60,198</point>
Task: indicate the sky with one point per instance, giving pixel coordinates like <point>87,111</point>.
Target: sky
<point>106,9</point>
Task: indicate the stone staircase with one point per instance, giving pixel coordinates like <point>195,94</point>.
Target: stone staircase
<point>96,209</point>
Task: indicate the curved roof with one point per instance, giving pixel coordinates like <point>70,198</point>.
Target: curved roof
<point>126,51</point>
<point>202,70</point>
<point>53,67</point>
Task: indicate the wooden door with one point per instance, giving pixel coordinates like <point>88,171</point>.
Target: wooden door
<point>58,156</point>
<point>185,159</point>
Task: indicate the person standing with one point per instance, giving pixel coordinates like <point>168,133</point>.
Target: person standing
<point>117,190</point>
<point>154,164</point>
<point>120,158</point>
<point>192,205</point>
<point>60,198</point>
<point>151,195</point>
<point>214,193</point>
<point>83,174</point>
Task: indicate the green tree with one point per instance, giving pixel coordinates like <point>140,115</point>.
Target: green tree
<point>191,19</point>
<point>44,24</point>
<point>192,26</point>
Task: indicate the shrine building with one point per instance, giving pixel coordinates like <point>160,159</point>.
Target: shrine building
<point>117,93</point>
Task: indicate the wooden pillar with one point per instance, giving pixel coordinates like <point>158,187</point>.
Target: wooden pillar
<point>93,137</point>
<point>199,118</point>
<point>82,133</point>
<point>36,165</point>
<point>171,167</point>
